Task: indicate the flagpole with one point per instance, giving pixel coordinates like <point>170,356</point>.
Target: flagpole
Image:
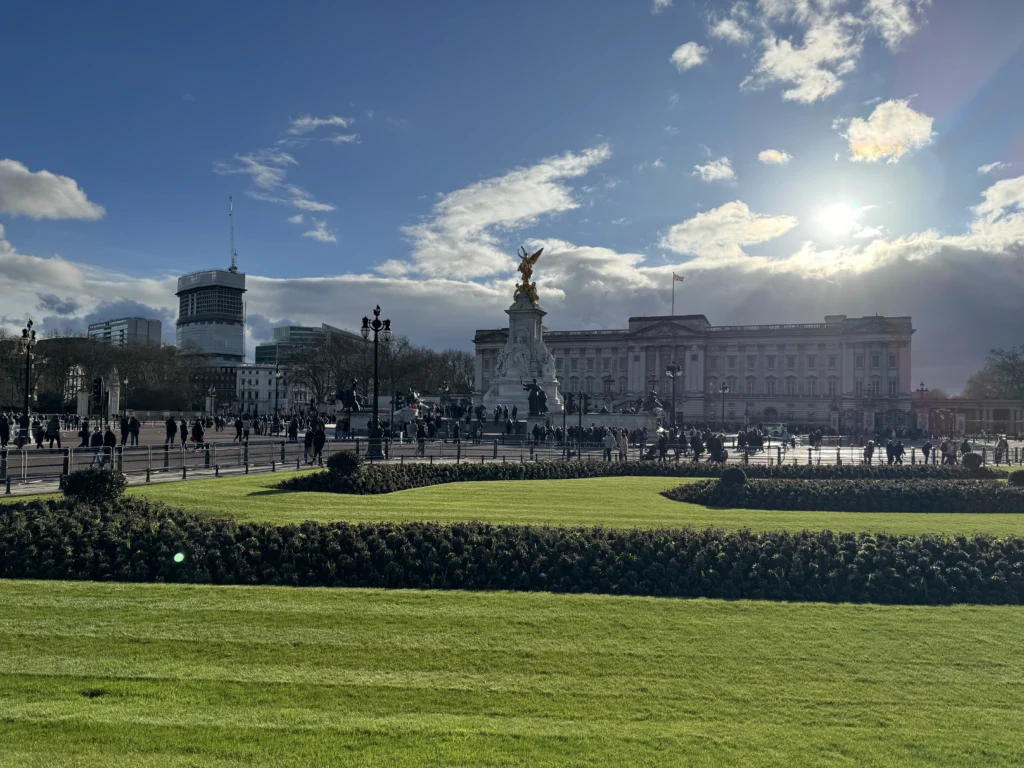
<point>673,294</point>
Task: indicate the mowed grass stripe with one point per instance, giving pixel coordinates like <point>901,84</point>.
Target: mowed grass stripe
<point>625,502</point>
<point>178,675</point>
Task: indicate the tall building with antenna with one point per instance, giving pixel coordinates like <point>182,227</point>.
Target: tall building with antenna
<point>211,312</point>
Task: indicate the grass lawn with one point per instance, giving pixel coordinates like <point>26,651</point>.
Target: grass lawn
<point>621,502</point>
<point>170,675</point>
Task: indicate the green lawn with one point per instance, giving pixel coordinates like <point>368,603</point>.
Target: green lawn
<point>621,502</point>
<point>169,675</point>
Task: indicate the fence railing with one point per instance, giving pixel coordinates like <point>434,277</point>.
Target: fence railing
<point>154,461</point>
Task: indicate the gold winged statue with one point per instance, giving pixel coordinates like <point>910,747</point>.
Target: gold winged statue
<point>526,262</point>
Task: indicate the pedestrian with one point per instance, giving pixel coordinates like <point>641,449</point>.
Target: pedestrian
<point>609,445</point>
<point>421,439</point>
<point>926,449</point>
<point>623,445</point>
<point>307,444</point>
<point>134,427</point>
<point>53,430</point>
<point>172,430</point>
<point>5,430</point>
<point>898,451</point>
<point>183,428</point>
<point>109,443</point>
<point>85,434</point>
<point>246,426</point>
<point>96,445</point>
<point>238,429</point>
<point>319,438</point>
<point>124,429</point>
<point>869,451</point>
<point>197,433</point>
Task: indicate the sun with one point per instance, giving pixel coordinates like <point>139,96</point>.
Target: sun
<point>838,219</point>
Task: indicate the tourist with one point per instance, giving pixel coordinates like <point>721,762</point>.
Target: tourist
<point>421,439</point>
<point>124,429</point>
<point>5,430</point>
<point>307,444</point>
<point>172,430</point>
<point>183,428</point>
<point>197,433</point>
<point>96,444</point>
<point>1002,449</point>
<point>869,451</point>
<point>85,434</point>
<point>53,430</point>
<point>926,449</point>
<point>134,427</point>
<point>897,452</point>
<point>246,427</point>
<point>609,444</point>
<point>623,445</point>
<point>319,439</point>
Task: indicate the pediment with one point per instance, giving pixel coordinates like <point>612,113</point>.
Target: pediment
<point>664,328</point>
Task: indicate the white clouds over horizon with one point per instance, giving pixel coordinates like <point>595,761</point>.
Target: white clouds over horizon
<point>990,168</point>
<point>774,157</point>
<point>43,195</point>
<point>715,170</point>
<point>308,123</point>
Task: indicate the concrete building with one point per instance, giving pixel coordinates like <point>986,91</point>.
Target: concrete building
<point>288,340</point>
<point>211,314</point>
<point>849,372</point>
<point>127,330</point>
<point>260,391</point>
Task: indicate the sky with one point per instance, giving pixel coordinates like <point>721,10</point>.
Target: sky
<point>789,158</point>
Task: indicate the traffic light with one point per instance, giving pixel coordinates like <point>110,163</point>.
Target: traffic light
<point>97,391</point>
<point>586,403</point>
<point>569,398</point>
<point>399,401</point>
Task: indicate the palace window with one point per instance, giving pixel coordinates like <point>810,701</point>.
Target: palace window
<point>607,386</point>
<point>858,361</point>
<point>574,384</point>
<point>558,365</point>
<point>790,386</point>
<point>751,385</point>
<point>575,364</point>
<point>712,385</point>
<point>791,363</point>
<point>712,363</point>
<point>731,383</point>
<point>892,361</point>
<point>771,362</point>
<point>622,385</point>
<point>769,386</point>
<point>590,365</point>
<point>832,387</point>
<point>812,386</point>
<point>894,387</point>
<point>812,361</point>
<point>876,361</point>
<point>858,388</point>
<point>751,362</point>
<point>606,364</point>
<point>875,386</point>
<point>588,384</point>
<point>732,362</point>
<point>831,362</point>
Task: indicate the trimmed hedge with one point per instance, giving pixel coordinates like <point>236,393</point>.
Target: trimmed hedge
<point>387,478</point>
<point>1016,477</point>
<point>135,540</point>
<point>94,485</point>
<point>968,496</point>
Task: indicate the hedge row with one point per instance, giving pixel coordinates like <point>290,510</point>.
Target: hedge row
<point>970,496</point>
<point>135,540</point>
<point>387,478</point>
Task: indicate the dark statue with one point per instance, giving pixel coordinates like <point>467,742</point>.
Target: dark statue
<point>652,403</point>
<point>350,401</point>
<point>538,398</point>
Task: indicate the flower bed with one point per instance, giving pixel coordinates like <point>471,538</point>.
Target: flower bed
<point>387,478</point>
<point>970,496</point>
<point>135,540</point>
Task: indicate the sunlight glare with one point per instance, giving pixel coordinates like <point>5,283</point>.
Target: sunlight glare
<point>838,219</point>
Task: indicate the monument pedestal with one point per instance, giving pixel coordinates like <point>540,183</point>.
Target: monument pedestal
<point>524,359</point>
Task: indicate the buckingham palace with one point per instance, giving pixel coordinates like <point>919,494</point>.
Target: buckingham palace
<point>849,372</point>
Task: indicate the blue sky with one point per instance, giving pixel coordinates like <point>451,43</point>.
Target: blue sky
<point>421,143</point>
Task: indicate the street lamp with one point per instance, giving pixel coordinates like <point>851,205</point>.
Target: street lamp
<point>25,344</point>
<point>124,408</point>
<point>673,371</point>
<point>921,390</point>
<point>379,328</point>
<point>277,395</point>
<point>723,388</point>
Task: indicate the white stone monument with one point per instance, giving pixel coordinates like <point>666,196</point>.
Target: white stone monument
<point>525,357</point>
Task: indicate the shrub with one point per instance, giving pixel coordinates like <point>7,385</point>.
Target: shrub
<point>387,478</point>
<point>971,460</point>
<point>344,463</point>
<point>968,496</point>
<point>137,541</point>
<point>1016,477</point>
<point>733,476</point>
<point>94,485</point>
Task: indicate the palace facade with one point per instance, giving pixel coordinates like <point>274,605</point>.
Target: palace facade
<point>850,372</point>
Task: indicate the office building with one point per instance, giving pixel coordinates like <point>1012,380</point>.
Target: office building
<point>126,330</point>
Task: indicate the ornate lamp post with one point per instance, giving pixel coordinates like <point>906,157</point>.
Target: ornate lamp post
<point>379,328</point>
<point>922,390</point>
<point>277,394</point>
<point>724,389</point>
<point>25,344</point>
<point>673,371</point>
<point>124,406</point>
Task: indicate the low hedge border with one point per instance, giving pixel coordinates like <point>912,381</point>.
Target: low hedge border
<point>137,541</point>
<point>388,478</point>
<point>964,496</point>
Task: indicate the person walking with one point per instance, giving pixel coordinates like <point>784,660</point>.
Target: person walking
<point>134,428</point>
<point>869,451</point>
<point>623,445</point>
<point>609,445</point>
<point>307,444</point>
<point>197,434</point>
<point>124,429</point>
<point>926,449</point>
<point>5,430</point>
<point>96,444</point>
<point>109,443</point>
<point>421,439</point>
<point>238,430</point>
<point>319,439</point>
<point>53,430</point>
<point>84,434</point>
<point>172,430</point>
<point>246,426</point>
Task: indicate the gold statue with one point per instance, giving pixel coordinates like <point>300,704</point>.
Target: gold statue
<point>526,288</point>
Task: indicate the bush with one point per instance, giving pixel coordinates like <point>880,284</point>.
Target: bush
<point>968,496</point>
<point>971,460</point>
<point>733,476</point>
<point>94,485</point>
<point>1016,477</point>
<point>387,478</point>
<point>137,541</point>
<point>344,463</point>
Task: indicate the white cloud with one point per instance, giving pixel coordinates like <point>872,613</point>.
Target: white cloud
<point>671,130</point>
<point>296,219</point>
<point>730,31</point>
<point>657,6</point>
<point>718,235</point>
<point>461,238</point>
<point>673,100</point>
<point>995,167</point>
<point>892,130</point>
<point>344,138</point>
<point>774,157</point>
<point>267,169</point>
<point>689,55</point>
<point>715,170</point>
<point>658,163</point>
<point>815,69</point>
<point>1003,200</point>
<point>894,20</point>
<point>308,123</point>
<point>320,232</point>
<point>43,195</point>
